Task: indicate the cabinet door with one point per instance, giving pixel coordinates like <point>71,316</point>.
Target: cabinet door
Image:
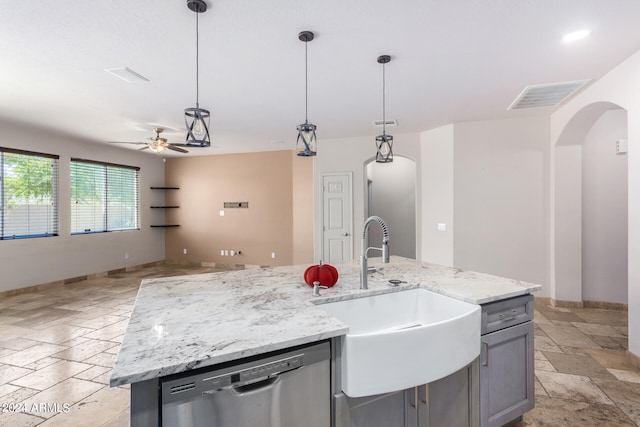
<point>506,375</point>
<point>451,400</point>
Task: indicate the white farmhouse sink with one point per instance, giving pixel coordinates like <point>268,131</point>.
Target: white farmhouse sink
<point>403,339</point>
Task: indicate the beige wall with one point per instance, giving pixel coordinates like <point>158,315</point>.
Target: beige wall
<point>302,171</point>
<point>276,186</point>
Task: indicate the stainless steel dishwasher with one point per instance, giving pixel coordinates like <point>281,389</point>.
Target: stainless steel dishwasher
<point>285,389</point>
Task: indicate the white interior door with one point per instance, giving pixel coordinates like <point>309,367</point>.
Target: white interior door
<point>337,218</point>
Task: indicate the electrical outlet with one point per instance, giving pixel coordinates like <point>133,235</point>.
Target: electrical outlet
<point>442,227</point>
<point>273,254</point>
<point>184,251</point>
<point>126,255</point>
<point>221,213</point>
<point>233,253</point>
<point>221,252</point>
<point>226,253</point>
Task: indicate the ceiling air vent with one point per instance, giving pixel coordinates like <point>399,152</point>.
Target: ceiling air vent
<point>386,122</point>
<point>127,74</point>
<point>546,95</point>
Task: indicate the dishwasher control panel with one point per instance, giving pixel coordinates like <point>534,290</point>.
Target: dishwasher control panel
<point>255,372</point>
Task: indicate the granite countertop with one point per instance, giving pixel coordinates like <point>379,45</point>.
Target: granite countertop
<point>187,322</point>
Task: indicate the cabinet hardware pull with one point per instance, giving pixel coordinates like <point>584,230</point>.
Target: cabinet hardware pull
<point>414,404</point>
<point>486,352</point>
<point>509,316</point>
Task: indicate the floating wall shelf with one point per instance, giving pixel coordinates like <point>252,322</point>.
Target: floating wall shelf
<point>165,207</point>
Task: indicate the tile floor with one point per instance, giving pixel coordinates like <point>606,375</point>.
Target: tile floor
<point>583,376</point>
<point>57,348</point>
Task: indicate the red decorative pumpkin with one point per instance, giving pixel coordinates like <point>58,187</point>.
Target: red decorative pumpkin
<point>326,274</point>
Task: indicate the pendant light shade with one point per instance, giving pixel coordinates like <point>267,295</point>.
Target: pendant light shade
<point>306,142</point>
<point>197,119</point>
<point>384,142</point>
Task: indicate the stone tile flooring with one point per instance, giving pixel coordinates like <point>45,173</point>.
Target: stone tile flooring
<point>583,375</point>
<point>57,348</point>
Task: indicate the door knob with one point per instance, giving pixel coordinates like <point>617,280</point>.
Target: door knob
<point>345,234</point>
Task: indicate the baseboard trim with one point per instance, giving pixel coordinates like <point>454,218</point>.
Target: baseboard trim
<point>60,283</point>
<point>566,304</point>
<point>74,280</point>
<point>635,360</point>
<point>583,304</point>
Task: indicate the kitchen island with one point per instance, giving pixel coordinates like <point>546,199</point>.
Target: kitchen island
<point>180,324</point>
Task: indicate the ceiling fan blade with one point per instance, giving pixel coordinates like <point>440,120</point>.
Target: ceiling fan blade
<point>175,144</point>
<point>174,148</point>
<point>143,148</point>
<point>126,142</point>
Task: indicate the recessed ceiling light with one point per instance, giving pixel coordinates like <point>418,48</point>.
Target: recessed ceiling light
<point>127,74</point>
<point>575,36</point>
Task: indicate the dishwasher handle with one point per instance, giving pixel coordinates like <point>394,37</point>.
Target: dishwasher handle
<point>254,386</point>
<point>245,388</point>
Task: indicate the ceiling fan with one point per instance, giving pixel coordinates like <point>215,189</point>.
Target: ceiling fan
<point>156,143</point>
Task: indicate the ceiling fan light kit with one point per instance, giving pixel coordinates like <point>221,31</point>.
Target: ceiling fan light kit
<point>384,142</point>
<point>307,141</point>
<point>197,119</point>
<point>156,143</point>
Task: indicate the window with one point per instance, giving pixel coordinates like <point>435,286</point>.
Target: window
<point>104,197</point>
<point>28,194</point>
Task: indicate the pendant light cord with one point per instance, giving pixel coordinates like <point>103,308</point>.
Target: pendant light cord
<point>306,84</point>
<point>197,62</point>
<point>384,118</point>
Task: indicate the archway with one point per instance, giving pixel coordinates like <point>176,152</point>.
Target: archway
<point>391,194</point>
<point>590,209</point>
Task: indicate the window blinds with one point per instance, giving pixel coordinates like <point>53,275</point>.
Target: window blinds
<point>104,197</point>
<point>28,194</point>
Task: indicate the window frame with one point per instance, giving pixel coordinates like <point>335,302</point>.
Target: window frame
<point>54,218</point>
<point>105,202</point>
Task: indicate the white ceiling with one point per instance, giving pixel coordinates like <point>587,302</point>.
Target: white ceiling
<point>452,60</point>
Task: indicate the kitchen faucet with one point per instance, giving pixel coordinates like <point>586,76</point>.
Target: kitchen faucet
<point>365,250</point>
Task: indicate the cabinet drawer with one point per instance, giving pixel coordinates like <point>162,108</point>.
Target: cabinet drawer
<point>503,314</point>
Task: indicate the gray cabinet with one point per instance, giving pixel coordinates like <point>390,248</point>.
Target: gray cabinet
<point>506,361</point>
<point>450,401</point>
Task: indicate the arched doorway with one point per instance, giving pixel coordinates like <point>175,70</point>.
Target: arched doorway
<point>590,209</point>
<point>391,194</point>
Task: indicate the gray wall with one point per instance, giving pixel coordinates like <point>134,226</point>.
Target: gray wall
<point>351,155</point>
<point>568,222</point>
<point>436,161</point>
<point>604,211</point>
<point>393,198</point>
<point>28,262</point>
<point>500,197</point>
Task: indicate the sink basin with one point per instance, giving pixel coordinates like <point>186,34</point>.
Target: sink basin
<point>403,339</point>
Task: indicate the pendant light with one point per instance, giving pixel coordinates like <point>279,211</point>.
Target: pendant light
<point>306,142</point>
<point>384,142</point>
<point>197,119</point>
